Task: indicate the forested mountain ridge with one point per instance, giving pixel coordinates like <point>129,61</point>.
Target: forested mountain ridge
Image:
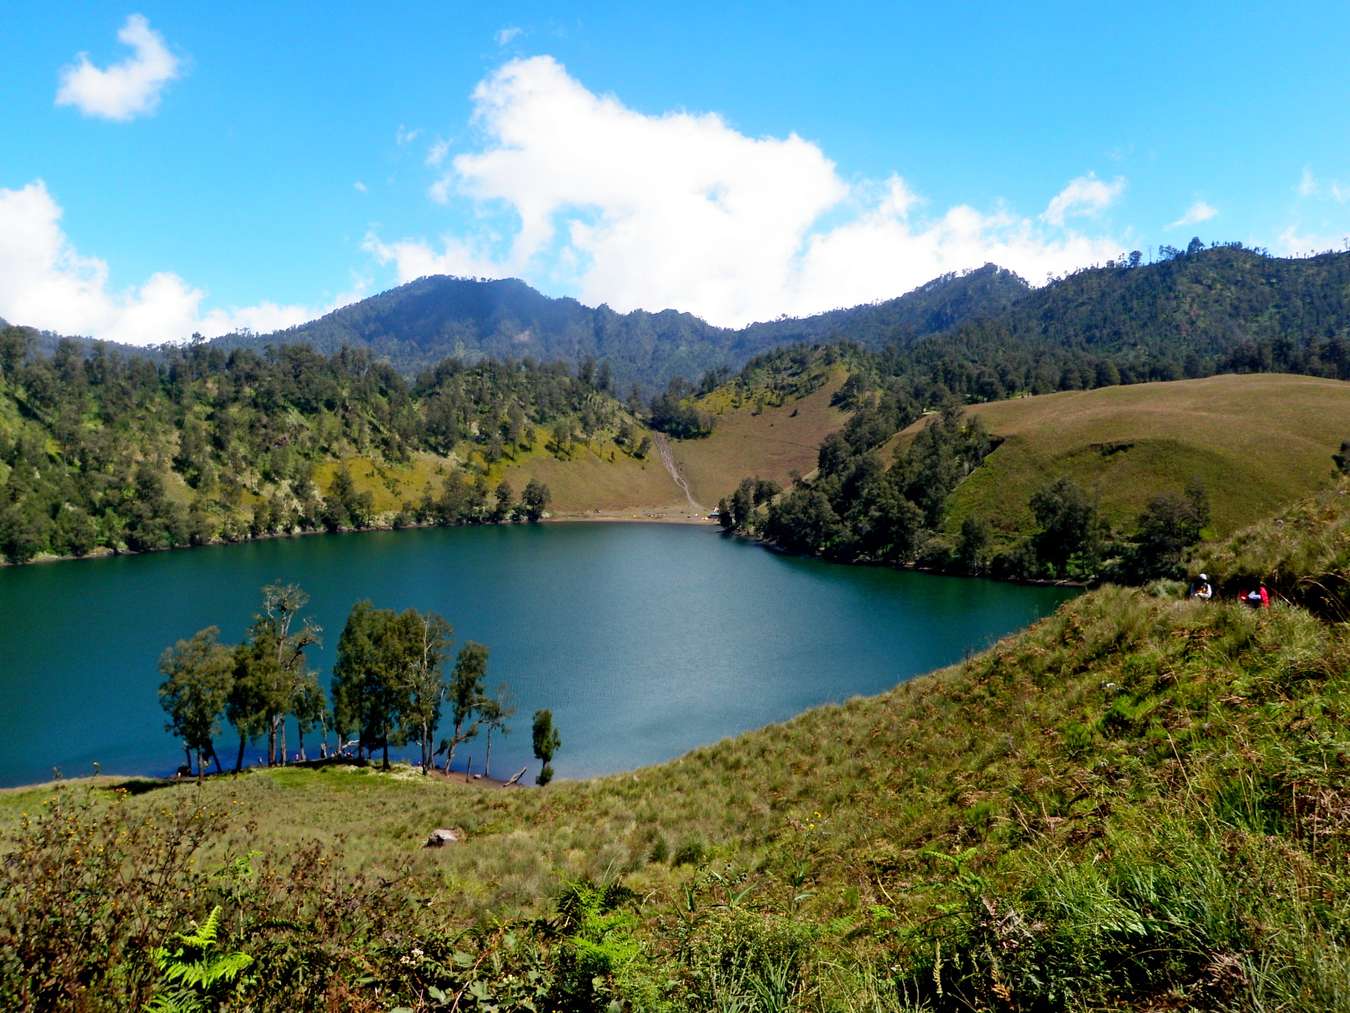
<point>431,318</point>
<point>1197,312</point>
<point>102,450</point>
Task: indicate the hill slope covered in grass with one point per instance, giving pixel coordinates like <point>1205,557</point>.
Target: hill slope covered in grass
<point>1139,802</point>
<point>1255,442</point>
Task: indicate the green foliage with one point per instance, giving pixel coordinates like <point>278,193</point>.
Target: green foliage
<point>195,976</point>
<point>1071,534</point>
<point>858,510</point>
<point>128,452</point>
<point>534,500</point>
<point>198,678</point>
<point>546,741</point>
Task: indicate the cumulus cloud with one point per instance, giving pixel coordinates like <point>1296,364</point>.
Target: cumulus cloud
<point>124,90</point>
<point>46,282</point>
<point>683,210</point>
<point>1198,212</point>
<point>1086,196</point>
<point>508,34</point>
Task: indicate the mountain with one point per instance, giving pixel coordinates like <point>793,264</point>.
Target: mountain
<point>420,323</point>
<point>1195,313</point>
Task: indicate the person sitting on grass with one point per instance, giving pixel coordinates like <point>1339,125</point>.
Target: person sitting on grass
<point>1203,589</point>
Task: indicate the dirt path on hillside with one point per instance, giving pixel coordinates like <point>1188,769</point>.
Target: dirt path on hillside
<point>668,459</point>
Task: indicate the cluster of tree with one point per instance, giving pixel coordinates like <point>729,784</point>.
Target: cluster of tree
<point>127,452</point>
<point>856,509</point>
<point>673,413</point>
<point>389,687</point>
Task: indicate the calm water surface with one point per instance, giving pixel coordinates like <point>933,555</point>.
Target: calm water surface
<point>645,640</point>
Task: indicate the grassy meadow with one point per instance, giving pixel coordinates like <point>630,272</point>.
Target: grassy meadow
<point>1256,443</point>
<point>1139,802</point>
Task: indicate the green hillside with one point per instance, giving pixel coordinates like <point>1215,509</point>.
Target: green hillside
<point>1254,442</point>
<point>1140,802</point>
<point>102,452</point>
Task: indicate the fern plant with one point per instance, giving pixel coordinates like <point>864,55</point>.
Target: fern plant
<point>195,976</point>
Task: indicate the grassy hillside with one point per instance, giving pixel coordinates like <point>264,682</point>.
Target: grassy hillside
<point>599,479</point>
<point>1138,803</point>
<point>760,434</point>
<point>1255,442</point>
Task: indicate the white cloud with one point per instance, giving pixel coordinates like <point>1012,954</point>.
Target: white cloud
<point>439,191</point>
<point>1329,189</point>
<point>124,90</point>
<point>437,152</point>
<point>1085,196</point>
<point>46,282</point>
<point>413,259</point>
<point>1293,242</point>
<point>359,186</point>
<point>406,135</point>
<point>682,210</point>
<point>507,34</point>
<point>1198,212</point>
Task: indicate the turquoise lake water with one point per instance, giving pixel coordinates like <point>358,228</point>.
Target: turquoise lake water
<point>646,640</point>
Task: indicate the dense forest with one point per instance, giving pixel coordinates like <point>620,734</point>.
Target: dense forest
<point>1196,312</point>
<point>129,453</point>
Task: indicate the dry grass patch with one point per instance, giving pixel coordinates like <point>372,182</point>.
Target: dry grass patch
<point>769,443</point>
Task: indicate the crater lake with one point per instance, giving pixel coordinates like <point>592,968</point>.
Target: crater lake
<point>645,640</point>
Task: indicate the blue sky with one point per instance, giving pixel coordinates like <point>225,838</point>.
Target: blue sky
<point>259,165</point>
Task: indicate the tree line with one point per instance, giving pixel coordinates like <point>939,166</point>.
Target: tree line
<point>389,688</point>
<point>858,509</point>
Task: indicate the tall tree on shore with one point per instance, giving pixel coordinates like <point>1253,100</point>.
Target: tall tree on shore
<point>496,710</point>
<point>246,706</point>
<point>534,500</point>
<point>547,741</point>
<point>365,689</point>
<point>422,643</point>
<point>282,669</point>
<point>466,697</point>
<point>198,673</point>
<point>309,708</point>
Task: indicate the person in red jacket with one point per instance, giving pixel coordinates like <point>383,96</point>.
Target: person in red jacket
<point>1265,597</point>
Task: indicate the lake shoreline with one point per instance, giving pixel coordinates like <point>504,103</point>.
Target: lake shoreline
<point>136,783</point>
<point>590,517</point>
